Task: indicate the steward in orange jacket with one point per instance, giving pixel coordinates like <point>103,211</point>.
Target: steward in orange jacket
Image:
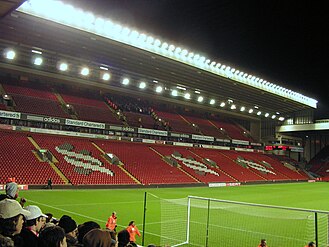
<point>111,223</point>
<point>133,230</point>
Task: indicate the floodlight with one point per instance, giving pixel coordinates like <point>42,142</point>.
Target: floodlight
<point>187,96</point>
<point>63,66</point>
<point>84,71</point>
<point>222,104</point>
<point>125,81</point>
<point>158,89</point>
<point>281,118</point>
<point>142,85</point>
<point>259,113</point>
<point>37,61</point>
<point>106,76</point>
<point>10,54</point>
<point>266,114</point>
<point>242,108</point>
<point>174,92</point>
<point>251,111</point>
<point>200,99</point>
<point>212,102</point>
<point>233,107</point>
<point>273,116</point>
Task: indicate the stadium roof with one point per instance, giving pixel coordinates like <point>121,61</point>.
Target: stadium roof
<point>20,30</point>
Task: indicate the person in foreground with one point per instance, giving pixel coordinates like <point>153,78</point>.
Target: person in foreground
<point>133,230</point>
<point>263,243</point>
<point>52,236</point>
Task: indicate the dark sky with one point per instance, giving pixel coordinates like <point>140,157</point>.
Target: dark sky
<point>282,41</point>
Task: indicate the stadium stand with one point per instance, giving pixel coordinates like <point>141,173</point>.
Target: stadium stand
<point>18,160</point>
<point>35,101</point>
<point>78,174</point>
<point>145,164</point>
<point>320,164</point>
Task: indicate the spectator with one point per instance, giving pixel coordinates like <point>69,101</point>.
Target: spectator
<point>12,192</point>
<point>111,223</point>
<point>33,225</point>
<point>52,236</point>
<point>262,243</point>
<point>124,238</point>
<point>11,219</point>
<point>84,228</point>
<point>311,244</point>
<point>98,238</point>
<point>133,230</point>
<point>70,228</point>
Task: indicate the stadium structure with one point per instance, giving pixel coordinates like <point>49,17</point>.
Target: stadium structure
<point>87,101</point>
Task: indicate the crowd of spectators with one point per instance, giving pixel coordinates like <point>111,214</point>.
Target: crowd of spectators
<point>30,227</point>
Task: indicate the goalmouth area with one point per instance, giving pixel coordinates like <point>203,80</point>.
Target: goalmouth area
<point>171,219</point>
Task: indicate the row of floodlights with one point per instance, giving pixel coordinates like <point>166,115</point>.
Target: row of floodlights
<point>75,17</point>
<point>106,76</point>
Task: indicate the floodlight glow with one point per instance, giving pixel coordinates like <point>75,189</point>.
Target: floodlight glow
<point>182,88</point>
<point>36,52</point>
<point>38,61</point>
<point>63,67</point>
<point>200,99</point>
<point>106,76</point>
<point>84,71</point>
<point>222,104</point>
<point>158,89</point>
<point>212,102</point>
<point>233,107</point>
<point>56,11</point>
<point>10,54</point>
<point>273,116</point>
<point>242,108</point>
<point>281,118</point>
<point>174,92</point>
<point>187,96</point>
<point>142,85</point>
<point>251,111</point>
<point>125,81</point>
<point>266,114</point>
<point>259,113</point>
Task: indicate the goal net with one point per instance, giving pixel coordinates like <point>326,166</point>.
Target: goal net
<point>196,221</point>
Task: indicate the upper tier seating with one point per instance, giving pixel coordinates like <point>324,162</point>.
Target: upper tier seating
<point>17,160</point>
<point>35,101</point>
<point>91,109</point>
<point>231,129</point>
<point>206,127</point>
<point>177,123</point>
<point>320,163</point>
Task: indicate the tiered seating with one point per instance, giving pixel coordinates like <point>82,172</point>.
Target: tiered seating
<point>177,123</point>
<point>74,172</point>
<point>145,164</point>
<point>2,106</point>
<point>225,160</point>
<point>91,109</point>
<point>207,178</point>
<point>35,101</point>
<point>17,160</point>
<point>139,120</point>
<point>206,127</point>
<point>320,163</point>
<point>231,129</point>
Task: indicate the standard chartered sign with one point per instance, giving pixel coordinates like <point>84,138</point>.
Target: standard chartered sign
<point>86,124</point>
<point>10,114</point>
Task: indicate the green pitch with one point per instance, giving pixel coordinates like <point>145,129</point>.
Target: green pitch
<point>97,205</point>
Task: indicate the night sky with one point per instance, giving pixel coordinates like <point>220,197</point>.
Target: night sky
<point>285,42</point>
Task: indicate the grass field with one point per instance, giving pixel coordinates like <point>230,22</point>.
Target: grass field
<point>230,228</point>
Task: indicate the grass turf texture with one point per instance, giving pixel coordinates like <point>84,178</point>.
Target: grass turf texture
<point>97,205</point>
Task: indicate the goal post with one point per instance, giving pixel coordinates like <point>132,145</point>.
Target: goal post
<point>199,221</point>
